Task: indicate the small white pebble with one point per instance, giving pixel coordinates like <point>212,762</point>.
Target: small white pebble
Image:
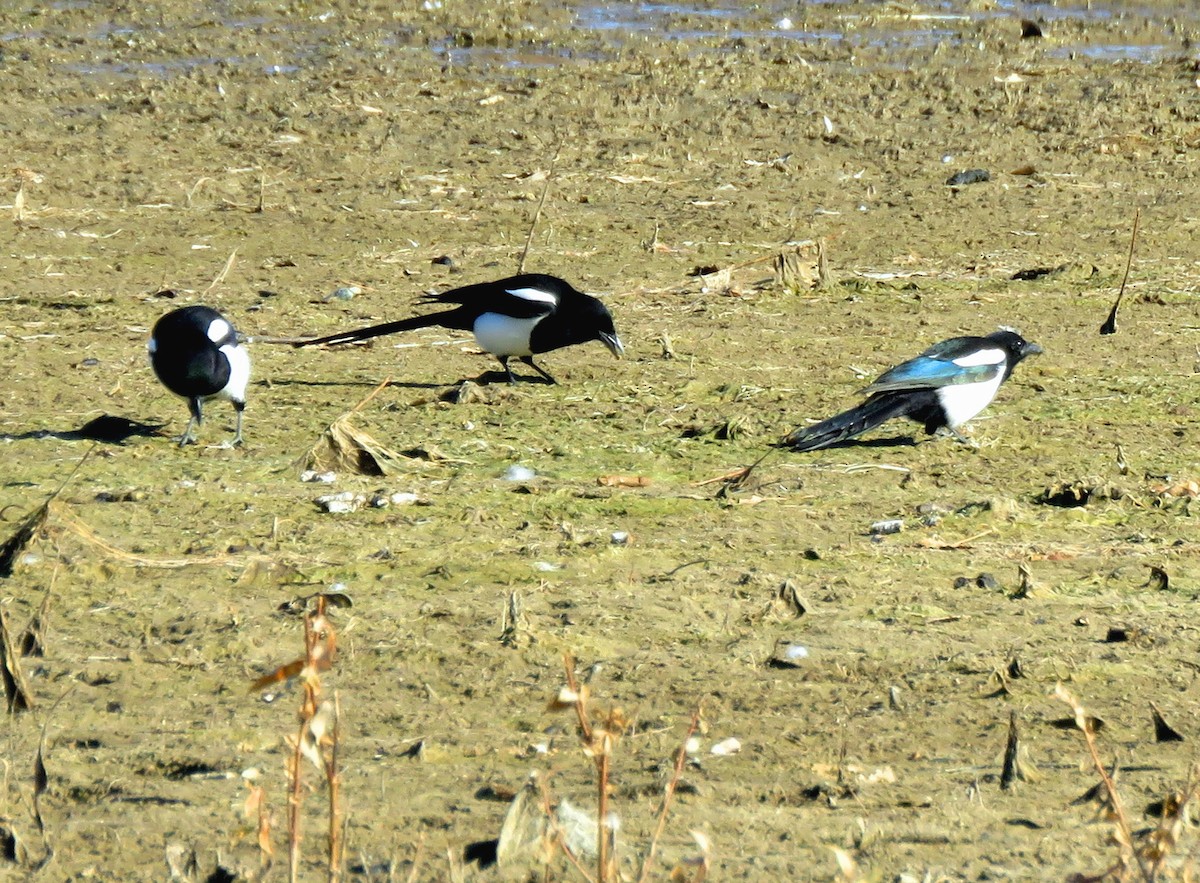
<point>726,747</point>
<point>311,475</point>
<point>403,498</point>
<point>692,745</point>
<point>793,652</point>
<point>542,748</point>
<point>546,566</point>
<point>251,773</point>
<point>566,696</point>
<point>339,504</point>
<point>620,537</point>
<point>519,473</point>
<point>784,24</point>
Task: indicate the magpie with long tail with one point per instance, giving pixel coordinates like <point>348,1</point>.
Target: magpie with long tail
<point>521,316</point>
<point>942,388</point>
<point>198,355</point>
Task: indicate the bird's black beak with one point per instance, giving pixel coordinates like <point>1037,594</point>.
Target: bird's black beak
<point>613,343</point>
<point>1031,349</point>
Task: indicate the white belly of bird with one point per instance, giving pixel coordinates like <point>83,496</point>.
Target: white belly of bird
<point>239,373</point>
<point>963,401</point>
<point>503,335</point>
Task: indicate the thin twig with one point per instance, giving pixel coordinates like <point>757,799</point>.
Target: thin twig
<point>229,262</point>
<point>387,381</point>
<point>537,213</point>
<point>669,795</point>
<point>1084,723</point>
<point>336,844</point>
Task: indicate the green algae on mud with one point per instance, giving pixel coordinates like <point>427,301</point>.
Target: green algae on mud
<point>379,156</point>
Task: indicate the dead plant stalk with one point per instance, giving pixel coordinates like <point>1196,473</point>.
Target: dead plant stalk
<point>598,744</point>
<point>316,739</point>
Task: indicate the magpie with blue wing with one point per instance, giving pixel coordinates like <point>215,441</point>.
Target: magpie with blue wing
<point>520,316</point>
<point>198,355</point>
<point>944,387</point>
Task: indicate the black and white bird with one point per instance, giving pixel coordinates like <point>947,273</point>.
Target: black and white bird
<point>521,316</point>
<point>196,353</point>
<point>944,387</point>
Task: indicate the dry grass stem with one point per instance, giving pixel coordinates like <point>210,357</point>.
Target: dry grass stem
<point>316,739</point>
<point>17,695</point>
<point>825,280</point>
<point>34,521</point>
<point>537,212</point>
<point>220,277</point>
<point>1124,830</point>
<point>668,797</point>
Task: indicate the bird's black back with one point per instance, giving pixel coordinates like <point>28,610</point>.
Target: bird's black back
<point>484,297</point>
<point>185,358</point>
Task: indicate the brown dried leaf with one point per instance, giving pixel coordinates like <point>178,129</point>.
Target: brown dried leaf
<point>623,481</point>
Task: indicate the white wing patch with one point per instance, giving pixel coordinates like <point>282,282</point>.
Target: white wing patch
<point>239,372</point>
<point>981,357</point>
<point>218,330</point>
<point>534,295</point>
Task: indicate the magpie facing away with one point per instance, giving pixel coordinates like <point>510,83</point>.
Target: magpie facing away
<point>519,316</point>
<point>196,354</point>
<point>945,386</point>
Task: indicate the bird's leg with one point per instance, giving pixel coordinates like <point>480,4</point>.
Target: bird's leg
<point>528,360</point>
<point>237,435</point>
<point>189,435</point>
<point>962,439</point>
<point>507,370</point>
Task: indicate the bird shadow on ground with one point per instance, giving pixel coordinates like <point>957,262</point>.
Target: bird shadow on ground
<point>499,377</point>
<point>371,384</point>
<point>105,428</point>
<point>487,378</point>
<point>895,441</point>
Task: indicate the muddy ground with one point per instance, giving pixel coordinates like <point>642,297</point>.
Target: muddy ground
<point>260,156</point>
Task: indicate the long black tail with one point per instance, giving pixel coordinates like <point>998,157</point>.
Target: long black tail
<point>878,408</point>
<point>447,318</point>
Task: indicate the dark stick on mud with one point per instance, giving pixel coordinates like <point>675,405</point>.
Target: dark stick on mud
<point>1110,324</point>
<point>1011,772</point>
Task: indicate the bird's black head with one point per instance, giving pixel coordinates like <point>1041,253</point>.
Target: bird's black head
<point>601,320</point>
<point>578,318</point>
<point>1015,345</point>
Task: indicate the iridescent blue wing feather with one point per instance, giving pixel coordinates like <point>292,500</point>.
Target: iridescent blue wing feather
<point>951,362</point>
